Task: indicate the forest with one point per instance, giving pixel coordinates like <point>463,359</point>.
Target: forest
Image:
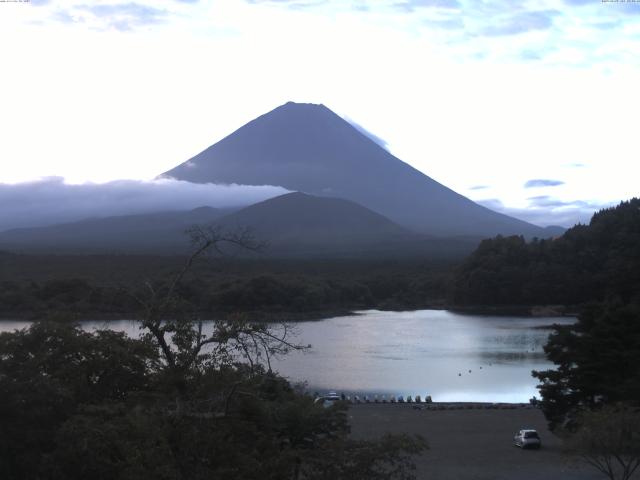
<point>587,263</point>
<point>96,287</point>
<point>180,404</point>
<point>174,404</point>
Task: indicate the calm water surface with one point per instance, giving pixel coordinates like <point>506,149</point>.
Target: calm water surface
<point>449,356</point>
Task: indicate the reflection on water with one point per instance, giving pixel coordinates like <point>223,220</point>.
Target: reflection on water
<point>449,356</point>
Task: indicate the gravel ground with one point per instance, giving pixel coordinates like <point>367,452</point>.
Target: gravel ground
<point>473,443</point>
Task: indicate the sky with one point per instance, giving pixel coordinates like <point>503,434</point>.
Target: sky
<point>527,107</point>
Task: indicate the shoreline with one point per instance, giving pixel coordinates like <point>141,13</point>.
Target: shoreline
<point>262,317</point>
<point>527,311</point>
<point>440,406</point>
<point>531,311</point>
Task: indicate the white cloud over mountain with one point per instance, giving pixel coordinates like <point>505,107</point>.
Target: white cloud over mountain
<point>51,200</point>
<point>472,93</point>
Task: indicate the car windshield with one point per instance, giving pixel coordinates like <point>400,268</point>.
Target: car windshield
<point>530,434</point>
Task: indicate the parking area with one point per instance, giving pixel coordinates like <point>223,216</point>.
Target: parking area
<point>473,443</point>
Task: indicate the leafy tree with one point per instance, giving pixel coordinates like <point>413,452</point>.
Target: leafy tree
<point>598,362</point>
<point>172,323</point>
<point>48,372</point>
<point>594,262</point>
<point>183,402</point>
<point>609,440</point>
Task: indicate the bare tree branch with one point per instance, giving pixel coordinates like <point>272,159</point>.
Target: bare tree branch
<point>178,331</point>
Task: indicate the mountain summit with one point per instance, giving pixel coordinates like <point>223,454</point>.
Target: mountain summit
<point>308,148</point>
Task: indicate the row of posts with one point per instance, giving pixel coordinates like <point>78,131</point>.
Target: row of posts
<point>384,399</point>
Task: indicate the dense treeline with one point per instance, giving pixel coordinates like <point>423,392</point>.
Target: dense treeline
<point>592,396</point>
<point>179,403</point>
<point>595,267</point>
<point>78,405</point>
<point>297,288</point>
<point>588,263</point>
<point>597,362</point>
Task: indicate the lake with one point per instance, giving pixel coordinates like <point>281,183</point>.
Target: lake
<point>450,356</point>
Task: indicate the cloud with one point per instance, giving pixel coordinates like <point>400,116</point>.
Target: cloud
<point>125,16</point>
<point>64,16</point>
<point>627,7</point>
<point>619,6</point>
<point>521,23</point>
<point>546,211</point>
<point>582,37</point>
<point>453,23</point>
<point>479,187</point>
<point>540,201</point>
<point>531,55</point>
<point>547,201</point>
<point>412,5</point>
<point>606,25</point>
<point>51,200</point>
<point>371,136</point>
<point>293,4</point>
<point>541,182</point>
<point>632,8</point>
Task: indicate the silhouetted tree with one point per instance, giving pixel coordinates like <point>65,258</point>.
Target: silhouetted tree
<point>48,372</point>
<point>597,362</point>
<point>182,402</point>
<point>587,263</point>
<point>608,439</point>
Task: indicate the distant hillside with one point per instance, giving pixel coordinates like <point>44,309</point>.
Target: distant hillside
<point>152,232</point>
<point>292,225</point>
<point>308,148</point>
<point>297,219</point>
<point>587,263</point>
<point>299,225</point>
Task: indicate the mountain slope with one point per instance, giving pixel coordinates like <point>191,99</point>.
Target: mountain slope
<point>152,232</point>
<point>297,224</point>
<point>309,148</point>
<point>292,225</point>
<point>297,217</point>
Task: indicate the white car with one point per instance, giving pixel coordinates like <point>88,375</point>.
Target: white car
<point>527,439</point>
<point>328,400</point>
